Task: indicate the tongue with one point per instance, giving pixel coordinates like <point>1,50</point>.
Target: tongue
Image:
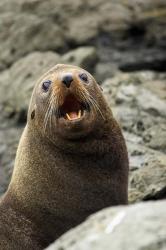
<point>72,115</point>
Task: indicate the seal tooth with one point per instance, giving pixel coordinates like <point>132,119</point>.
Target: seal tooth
<point>79,113</point>
<point>68,117</point>
<point>71,118</point>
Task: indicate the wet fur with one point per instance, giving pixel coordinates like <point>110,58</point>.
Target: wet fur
<point>58,182</point>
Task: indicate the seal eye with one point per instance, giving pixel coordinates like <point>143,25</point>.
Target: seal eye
<point>46,85</point>
<point>83,77</point>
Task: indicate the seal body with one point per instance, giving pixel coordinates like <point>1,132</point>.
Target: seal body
<point>71,161</point>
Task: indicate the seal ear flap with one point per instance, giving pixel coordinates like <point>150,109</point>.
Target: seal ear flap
<point>33,114</point>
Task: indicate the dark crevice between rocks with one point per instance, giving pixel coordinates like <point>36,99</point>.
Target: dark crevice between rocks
<point>71,44</point>
<point>156,65</point>
<point>136,31</point>
<point>157,196</point>
<point>130,50</point>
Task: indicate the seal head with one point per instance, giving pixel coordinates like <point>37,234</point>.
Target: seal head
<point>66,104</point>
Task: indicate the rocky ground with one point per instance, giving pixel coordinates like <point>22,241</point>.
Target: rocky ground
<point>122,43</point>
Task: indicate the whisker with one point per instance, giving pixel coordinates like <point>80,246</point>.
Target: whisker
<point>56,105</point>
<point>46,118</point>
<point>96,105</point>
<point>92,101</point>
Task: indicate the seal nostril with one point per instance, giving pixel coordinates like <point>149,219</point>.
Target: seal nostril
<point>67,79</point>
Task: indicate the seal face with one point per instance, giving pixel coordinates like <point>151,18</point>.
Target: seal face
<point>68,102</point>
<point>71,161</point>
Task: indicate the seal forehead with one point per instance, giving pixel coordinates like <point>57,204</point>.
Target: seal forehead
<point>60,69</point>
<point>67,68</point>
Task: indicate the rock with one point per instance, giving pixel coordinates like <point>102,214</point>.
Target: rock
<point>19,81</point>
<point>154,137</point>
<point>152,59</point>
<point>104,71</point>
<point>151,103</point>
<point>23,33</point>
<point>140,155</point>
<point>118,29</point>
<point>141,112</point>
<point>84,57</point>
<point>140,96</point>
<point>147,179</point>
<point>127,94</point>
<point>134,104</point>
<point>119,84</point>
<point>140,226</point>
<point>148,183</point>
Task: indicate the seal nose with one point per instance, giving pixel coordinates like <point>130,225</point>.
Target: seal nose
<point>67,79</point>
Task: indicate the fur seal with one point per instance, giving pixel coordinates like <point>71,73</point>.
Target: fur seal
<point>71,161</point>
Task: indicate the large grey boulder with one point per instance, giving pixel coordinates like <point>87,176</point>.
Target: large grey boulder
<point>23,32</point>
<point>139,227</point>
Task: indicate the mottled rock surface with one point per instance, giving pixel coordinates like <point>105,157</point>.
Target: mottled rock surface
<point>143,120</point>
<point>119,29</point>
<point>139,227</point>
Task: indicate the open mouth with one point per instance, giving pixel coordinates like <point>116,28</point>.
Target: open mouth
<point>72,109</point>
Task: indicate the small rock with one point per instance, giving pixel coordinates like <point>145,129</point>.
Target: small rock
<point>126,94</point>
<point>151,103</point>
<point>104,71</point>
<point>148,174</point>
<point>155,137</point>
<point>22,33</point>
<point>84,57</point>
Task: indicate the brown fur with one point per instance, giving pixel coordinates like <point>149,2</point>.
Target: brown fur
<point>62,173</point>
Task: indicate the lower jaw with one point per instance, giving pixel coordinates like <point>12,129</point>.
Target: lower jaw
<point>73,130</point>
<point>75,125</point>
<point>74,120</point>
